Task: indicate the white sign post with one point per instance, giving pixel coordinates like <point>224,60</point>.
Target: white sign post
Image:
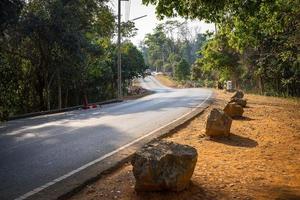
<point>229,86</point>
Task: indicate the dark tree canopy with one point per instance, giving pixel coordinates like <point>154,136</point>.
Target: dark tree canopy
<point>53,53</point>
<point>9,12</point>
<point>210,10</point>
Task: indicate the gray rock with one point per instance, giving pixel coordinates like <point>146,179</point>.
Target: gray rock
<point>238,94</point>
<point>164,165</point>
<point>218,123</point>
<point>241,102</point>
<point>234,110</point>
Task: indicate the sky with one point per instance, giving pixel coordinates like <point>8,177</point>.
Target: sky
<point>147,24</point>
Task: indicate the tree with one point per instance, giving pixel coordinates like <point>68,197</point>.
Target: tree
<point>53,53</point>
<point>217,55</point>
<point>9,13</point>
<point>158,47</point>
<point>182,70</point>
<point>162,50</point>
<point>212,11</point>
<point>265,34</point>
<point>133,64</point>
<point>61,41</point>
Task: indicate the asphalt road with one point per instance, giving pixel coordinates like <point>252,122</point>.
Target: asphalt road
<point>37,150</point>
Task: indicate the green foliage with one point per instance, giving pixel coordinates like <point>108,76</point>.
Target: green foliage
<point>9,13</point>
<point>169,42</point>
<point>133,63</point>
<point>209,10</point>
<point>8,87</point>
<point>128,29</point>
<point>257,44</point>
<point>52,53</point>
<point>218,56</point>
<point>157,48</point>
<point>182,70</point>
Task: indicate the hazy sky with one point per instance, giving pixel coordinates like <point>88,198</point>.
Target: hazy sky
<point>145,25</point>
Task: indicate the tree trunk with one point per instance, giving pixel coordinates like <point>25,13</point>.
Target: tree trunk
<point>59,90</point>
<point>66,98</point>
<point>260,85</point>
<point>40,92</point>
<point>48,91</point>
<point>48,97</point>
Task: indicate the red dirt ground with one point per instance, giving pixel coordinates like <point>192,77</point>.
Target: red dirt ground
<point>261,160</point>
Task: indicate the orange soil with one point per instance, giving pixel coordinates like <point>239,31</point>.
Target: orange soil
<point>261,160</point>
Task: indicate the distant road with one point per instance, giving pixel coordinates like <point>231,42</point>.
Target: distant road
<point>37,150</point>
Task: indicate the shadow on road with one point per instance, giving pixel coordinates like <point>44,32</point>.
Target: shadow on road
<point>143,105</point>
<point>38,160</point>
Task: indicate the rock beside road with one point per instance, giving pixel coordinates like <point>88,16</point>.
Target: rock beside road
<point>241,102</point>
<point>238,94</point>
<point>164,165</point>
<point>234,110</point>
<point>218,123</point>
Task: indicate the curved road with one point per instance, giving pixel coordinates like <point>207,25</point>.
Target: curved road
<point>37,150</point>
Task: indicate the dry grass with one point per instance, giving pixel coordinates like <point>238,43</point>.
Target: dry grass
<point>165,80</point>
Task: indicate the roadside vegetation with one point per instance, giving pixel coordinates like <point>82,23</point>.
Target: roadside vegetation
<point>172,49</point>
<point>167,81</point>
<point>53,54</point>
<point>256,45</point>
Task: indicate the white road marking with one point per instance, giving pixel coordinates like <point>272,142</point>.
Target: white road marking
<point>38,189</point>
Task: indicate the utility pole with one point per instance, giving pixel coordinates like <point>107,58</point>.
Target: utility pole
<point>120,96</point>
<point>216,29</point>
<point>120,92</point>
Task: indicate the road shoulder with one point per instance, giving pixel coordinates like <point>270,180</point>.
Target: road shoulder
<point>65,186</point>
<point>259,161</point>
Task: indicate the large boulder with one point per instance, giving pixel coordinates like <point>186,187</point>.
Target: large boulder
<point>234,110</point>
<point>238,94</point>
<point>164,165</point>
<point>218,123</point>
<point>241,102</point>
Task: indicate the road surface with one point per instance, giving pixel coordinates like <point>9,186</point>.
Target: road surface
<point>37,150</point>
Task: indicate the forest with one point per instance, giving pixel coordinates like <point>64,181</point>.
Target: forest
<point>255,44</point>
<point>172,48</point>
<point>53,54</point>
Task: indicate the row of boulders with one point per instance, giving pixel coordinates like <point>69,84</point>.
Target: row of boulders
<point>235,106</point>
<point>219,121</point>
<point>164,165</point>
